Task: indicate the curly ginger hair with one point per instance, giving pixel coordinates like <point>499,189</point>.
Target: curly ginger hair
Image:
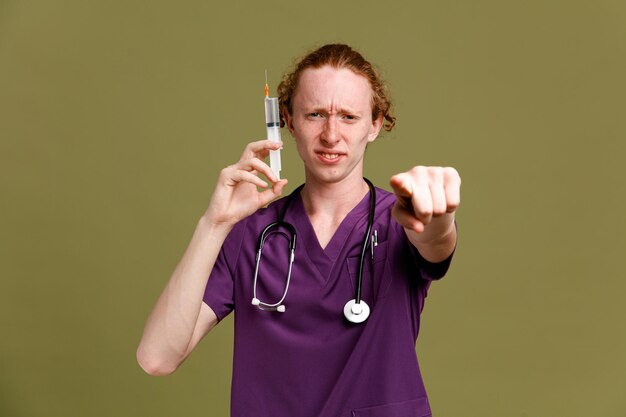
<point>338,56</point>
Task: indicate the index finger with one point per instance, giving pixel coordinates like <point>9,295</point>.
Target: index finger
<point>260,149</point>
<point>401,185</point>
<point>414,198</point>
<point>403,189</point>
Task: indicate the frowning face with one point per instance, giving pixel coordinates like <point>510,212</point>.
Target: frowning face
<point>332,123</point>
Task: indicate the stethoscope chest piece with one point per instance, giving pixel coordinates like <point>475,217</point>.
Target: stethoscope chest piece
<point>356,313</point>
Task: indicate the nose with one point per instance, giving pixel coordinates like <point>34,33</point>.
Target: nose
<point>330,135</point>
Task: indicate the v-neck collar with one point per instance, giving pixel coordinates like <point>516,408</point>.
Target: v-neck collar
<point>324,259</point>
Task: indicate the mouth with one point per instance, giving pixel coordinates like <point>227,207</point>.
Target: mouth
<point>330,156</point>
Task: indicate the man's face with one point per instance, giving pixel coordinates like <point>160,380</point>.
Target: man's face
<point>332,123</point>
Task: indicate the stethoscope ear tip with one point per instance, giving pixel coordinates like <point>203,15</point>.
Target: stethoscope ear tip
<point>257,302</point>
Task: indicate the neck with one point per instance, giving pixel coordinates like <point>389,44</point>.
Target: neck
<point>334,199</point>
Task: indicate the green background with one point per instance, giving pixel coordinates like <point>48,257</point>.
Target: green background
<point>116,116</point>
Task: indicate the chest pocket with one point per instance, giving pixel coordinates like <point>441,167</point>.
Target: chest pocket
<point>411,408</point>
<point>375,276</point>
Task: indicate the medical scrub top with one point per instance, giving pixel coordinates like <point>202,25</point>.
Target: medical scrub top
<point>310,361</point>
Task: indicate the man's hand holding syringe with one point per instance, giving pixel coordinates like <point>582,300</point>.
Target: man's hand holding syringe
<point>236,195</point>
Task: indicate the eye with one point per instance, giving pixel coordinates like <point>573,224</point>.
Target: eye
<point>350,117</point>
<point>314,115</point>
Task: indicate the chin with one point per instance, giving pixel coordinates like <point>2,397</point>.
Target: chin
<point>328,176</point>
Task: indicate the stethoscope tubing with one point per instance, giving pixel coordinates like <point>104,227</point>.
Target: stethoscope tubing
<point>370,223</point>
<point>292,249</point>
<point>354,307</point>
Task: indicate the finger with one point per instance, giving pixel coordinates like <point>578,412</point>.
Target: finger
<point>401,185</point>
<point>260,149</point>
<point>406,219</point>
<point>452,186</point>
<point>271,194</point>
<point>438,193</point>
<point>422,202</point>
<point>415,198</point>
<point>402,188</point>
<point>239,175</point>
<point>256,165</point>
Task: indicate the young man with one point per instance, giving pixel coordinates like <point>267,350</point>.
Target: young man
<point>310,360</point>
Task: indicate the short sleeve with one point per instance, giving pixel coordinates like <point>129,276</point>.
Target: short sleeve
<point>219,291</point>
<point>429,271</point>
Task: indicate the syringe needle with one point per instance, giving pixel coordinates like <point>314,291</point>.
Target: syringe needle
<point>267,89</point>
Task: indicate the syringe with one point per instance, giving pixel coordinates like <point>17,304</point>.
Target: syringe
<point>272,124</point>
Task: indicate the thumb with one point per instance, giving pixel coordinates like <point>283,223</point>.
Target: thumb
<point>271,194</point>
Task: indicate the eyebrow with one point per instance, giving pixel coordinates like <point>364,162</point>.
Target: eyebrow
<point>324,109</point>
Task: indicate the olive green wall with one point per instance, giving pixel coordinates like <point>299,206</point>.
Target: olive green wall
<point>115,117</point>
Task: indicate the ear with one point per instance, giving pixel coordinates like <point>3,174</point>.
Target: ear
<point>375,127</point>
<point>288,121</point>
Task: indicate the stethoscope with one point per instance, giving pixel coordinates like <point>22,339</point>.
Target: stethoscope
<point>355,310</point>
